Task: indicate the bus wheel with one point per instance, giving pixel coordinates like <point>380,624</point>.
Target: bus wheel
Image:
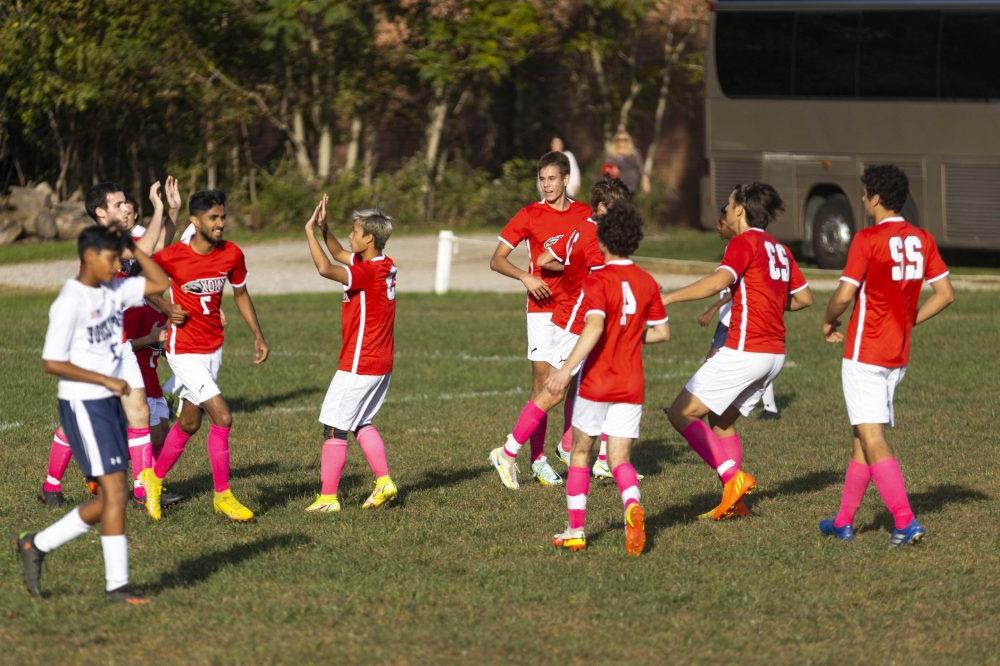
<point>833,228</point>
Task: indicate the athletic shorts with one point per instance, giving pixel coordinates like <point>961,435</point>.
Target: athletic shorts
<point>129,369</point>
<point>195,375</point>
<point>95,430</point>
<point>158,411</point>
<point>353,400</point>
<point>734,378</point>
<point>540,333</point>
<point>868,391</point>
<point>562,346</point>
<point>614,419</point>
<point>720,335</point>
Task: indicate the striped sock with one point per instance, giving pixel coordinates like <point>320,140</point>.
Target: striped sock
<point>628,483</point>
<point>59,456</point>
<point>577,488</point>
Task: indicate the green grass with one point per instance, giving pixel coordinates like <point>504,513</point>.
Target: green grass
<point>462,570</point>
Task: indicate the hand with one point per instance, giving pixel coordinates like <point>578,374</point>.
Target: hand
<point>536,287</point>
<point>119,387</point>
<point>831,333</point>
<point>154,196</point>
<point>173,194</point>
<point>704,318</point>
<point>558,381</point>
<point>261,351</point>
<point>159,333</point>
<point>176,315</point>
<point>222,316</point>
<point>318,219</point>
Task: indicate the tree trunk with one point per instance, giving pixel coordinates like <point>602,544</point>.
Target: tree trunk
<point>136,166</point>
<point>234,165</point>
<point>325,156</point>
<point>597,63</point>
<point>353,148</point>
<point>370,155</point>
<point>251,168</point>
<point>672,53</point>
<point>627,105</point>
<point>210,168</point>
<point>435,129</point>
<point>299,140</point>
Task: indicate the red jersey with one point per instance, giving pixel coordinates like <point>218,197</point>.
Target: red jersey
<point>888,263</point>
<point>766,275</point>
<point>629,299</point>
<point>138,323</point>
<point>579,252</point>
<point>542,226</point>
<point>367,316</point>
<point>196,284</point>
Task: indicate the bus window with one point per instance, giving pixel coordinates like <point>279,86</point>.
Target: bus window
<point>754,53</point>
<point>826,48</point>
<point>970,53</point>
<point>899,54</point>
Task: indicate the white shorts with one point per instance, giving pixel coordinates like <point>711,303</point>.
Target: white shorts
<point>353,400</point>
<point>540,332</point>
<point>868,391</point>
<point>195,375</point>
<point>733,377</point>
<point>614,419</point>
<point>129,369</point>
<point>562,346</point>
<point>158,411</point>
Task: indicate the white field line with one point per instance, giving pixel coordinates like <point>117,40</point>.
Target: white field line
<point>10,425</point>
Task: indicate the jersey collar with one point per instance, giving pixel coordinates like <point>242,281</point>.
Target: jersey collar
<point>619,262</point>
<point>894,218</point>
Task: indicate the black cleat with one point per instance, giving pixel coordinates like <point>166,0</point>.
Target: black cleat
<point>52,498</point>
<point>126,595</point>
<point>169,499</point>
<point>31,559</point>
<point>768,415</point>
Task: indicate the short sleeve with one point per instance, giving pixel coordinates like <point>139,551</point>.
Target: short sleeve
<point>516,230</point>
<point>657,313</point>
<point>162,259</point>
<point>857,262</point>
<point>560,247</point>
<point>62,324</point>
<point>594,300</point>
<point>594,256</point>
<point>797,281</point>
<point>133,322</point>
<point>361,275</point>
<point>737,257</point>
<point>935,266</point>
<point>238,273</point>
<point>130,292</point>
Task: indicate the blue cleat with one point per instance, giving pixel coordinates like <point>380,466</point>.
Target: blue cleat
<point>845,533</point>
<point>912,533</point>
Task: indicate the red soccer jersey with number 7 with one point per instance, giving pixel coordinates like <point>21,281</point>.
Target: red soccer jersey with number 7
<point>367,316</point>
<point>888,263</point>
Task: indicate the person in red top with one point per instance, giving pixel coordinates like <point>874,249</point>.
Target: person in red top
<point>764,281</point>
<point>368,315</point>
<point>886,267</point>
<point>574,255</point>
<point>541,224</point>
<point>198,273</point>
<point>622,310</point>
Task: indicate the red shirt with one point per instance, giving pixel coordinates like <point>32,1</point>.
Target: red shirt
<point>629,299</point>
<point>888,263</point>
<point>196,284</point>
<point>766,274</point>
<point>367,316</point>
<point>138,323</point>
<point>579,252</point>
<point>542,226</point>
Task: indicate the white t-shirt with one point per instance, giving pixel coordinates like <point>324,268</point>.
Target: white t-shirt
<point>188,234</point>
<point>725,309</point>
<point>85,328</point>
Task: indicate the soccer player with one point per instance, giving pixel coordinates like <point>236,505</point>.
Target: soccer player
<point>541,224</point>
<point>84,348</point>
<point>198,273</point>
<point>575,254</point>
<point>886,266</point>
<point>622,310</point>
<point>368,315</point>
<point>764,281</point>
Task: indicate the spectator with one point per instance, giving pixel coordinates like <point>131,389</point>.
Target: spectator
<point>623,154</point>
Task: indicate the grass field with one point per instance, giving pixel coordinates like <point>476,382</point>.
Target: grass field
<point>462,570</point>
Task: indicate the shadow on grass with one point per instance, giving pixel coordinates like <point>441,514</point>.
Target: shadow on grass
<point>784,400</point>
<point>198,569</point>
<point>275,496</point>
<point>202,483</point>
<point>650,456</point>
<point>240,405</point>
<point>929,501</point>
<point>439,480</point>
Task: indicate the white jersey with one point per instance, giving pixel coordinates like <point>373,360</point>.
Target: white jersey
<point>188,234</point>
<point>85,329</point>
<point>725,309</point>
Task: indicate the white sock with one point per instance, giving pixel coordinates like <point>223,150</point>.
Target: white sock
<point>115,561</point>
<point>62,531</point>
<point>769,404</point>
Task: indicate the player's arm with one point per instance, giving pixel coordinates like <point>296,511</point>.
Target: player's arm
<point>551,263</point>
<point>658,333</point>
<point>74,373</point>
<point>943,295</point>
<point>55,353</point>
<point>148,242</point>
<point>156,279</point>
<point>703,288</point>
<point>151,339</point>
<point>800,300</point>
<point>330,240</point>
<point>173,195</point>
<point>499,263</point>
<point>241,297</point>
<point>323,265</point>
<point>706,317</point>
<point>593,329</point>
<point>838,304</point>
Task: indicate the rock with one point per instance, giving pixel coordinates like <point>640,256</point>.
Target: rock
<point>28,202</point>
<point>70,219</point>
<point>10,229</point>
<point>76,196</point>
<point>43,226</point>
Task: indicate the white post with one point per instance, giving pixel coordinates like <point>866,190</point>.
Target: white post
<point>442,274</point>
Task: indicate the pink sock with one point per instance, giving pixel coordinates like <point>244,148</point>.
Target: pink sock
<point>567,437</point>
<point>602,454</point>
<point>173,447</point>
<point>628,483</point>
<point>733,448</point>
<point>704,442</point>
<point>332,465</point>
<point>373,447</point>
<point>888,479</point>
<point>577,487</point>
<point>138,443</point>
<point>218,456</point>
<point>527,422</point>
<point>59,456</point>
<point>538,438</point>
<point>855,484</point>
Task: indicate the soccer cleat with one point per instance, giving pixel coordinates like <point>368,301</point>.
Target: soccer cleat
<point>827,528</point>
<point>600,470</point>
<point>732,492</point>
<point>385,491</point>
<point>92,486</point>
<point>741,510</point>
<point>571,539</point>
<point>542,470</point>
<point>768,415</point>
<point>154,490</point>
<point>324,504</point>
<point>564,456</point>
<point>912,533</point>
<point>169,499</point>
<point>52,498</point>
<point>227,504</point>
<point>126,595</point>
<point>505,467</point>
<point>635,529</point>
<point>31,560</point>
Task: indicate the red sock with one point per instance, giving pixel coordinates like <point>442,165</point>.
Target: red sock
<point>332,465</point>
<point>538,438</point>
<point>577,488</point>
<point>567,437</point>
<point>59,456</point>
<point>373,447</point>
<point>704,442</point>
<point>888,479</point>
<point>218,456</point>
<point>138,443</point>
<point>628,483</point>
<point>855,484</point>
<point>173,447</point>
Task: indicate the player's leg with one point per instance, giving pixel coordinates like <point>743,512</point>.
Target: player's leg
<point>333,456</point>
<point>221,419</point>
<point>770,412</point>
<point>856,480</point>
<point>370,440</point>
<point>140,447</point>
<point>622,426</point>
<point>588,418</point>
<point>565,446</point>
<point>600,470</point>
<point>887,476</point>
<point>159,427</point>
<point>503,458</point>
<point>59,456</point>
<point>539,373</point>
<point>541,334</point>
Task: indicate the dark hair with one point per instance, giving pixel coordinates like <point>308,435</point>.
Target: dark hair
<point>890,184</point>
<point>204,200</point>
<point>761,203</point>
<point>97,197</point>
<point>554,158</point>
<point>608,190</point>
<point>100,238</point>
<point>620,229</point>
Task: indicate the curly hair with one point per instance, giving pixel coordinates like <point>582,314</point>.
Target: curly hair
<point>890,184</point>
<point>608,190</point>
<point>761,203</point>
<point>620,229</point>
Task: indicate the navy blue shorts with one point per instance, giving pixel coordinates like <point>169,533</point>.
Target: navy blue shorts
<point>96,433</point>
<point>721,333</point>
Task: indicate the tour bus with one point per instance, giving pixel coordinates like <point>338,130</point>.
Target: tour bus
<point>804,95</point>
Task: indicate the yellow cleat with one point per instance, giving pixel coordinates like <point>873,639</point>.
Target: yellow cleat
<point>571,539</point>
<point>741,510</point>
<point>324,504</point>
<point>505,467</point>
<point>635,529</point>
<point>154,488</point>
<point>732,492</point>
<point>226,503</point>
<point>385,491</point>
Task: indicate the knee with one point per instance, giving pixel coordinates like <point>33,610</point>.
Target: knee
<point>224,419</point>
<point>137,414</point>
<point>188,425</point>
<point>677,416</point>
